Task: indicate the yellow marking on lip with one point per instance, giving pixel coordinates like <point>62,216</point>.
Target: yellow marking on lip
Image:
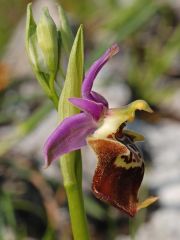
<point>119,162</point>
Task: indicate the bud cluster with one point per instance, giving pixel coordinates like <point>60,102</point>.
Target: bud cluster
<point>43,44</point>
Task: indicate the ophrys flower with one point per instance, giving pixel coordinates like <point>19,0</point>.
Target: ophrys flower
<point>120,166</point>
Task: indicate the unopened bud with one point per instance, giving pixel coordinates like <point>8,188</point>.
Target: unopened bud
<point>47,37</point>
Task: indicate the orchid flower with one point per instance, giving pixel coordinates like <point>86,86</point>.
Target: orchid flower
<point>120,166</point>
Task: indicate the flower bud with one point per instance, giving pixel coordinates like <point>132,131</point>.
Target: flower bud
<point>47,37</point>
<point>35,55</point>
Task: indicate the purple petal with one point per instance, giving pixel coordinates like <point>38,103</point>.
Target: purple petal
<point>70,135</point>
<point>93,71</point>
<point>96,110</point>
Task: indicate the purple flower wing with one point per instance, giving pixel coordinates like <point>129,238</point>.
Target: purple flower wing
<point>93,71</point>
<point>95,109</point>
<point>70,135</point>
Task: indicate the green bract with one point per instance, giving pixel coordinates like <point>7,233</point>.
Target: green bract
<point>72,87</point>
<point>31,41</point>
<point>74,76</point>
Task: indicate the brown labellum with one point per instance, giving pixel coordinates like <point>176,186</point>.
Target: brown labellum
<point>119,171</point>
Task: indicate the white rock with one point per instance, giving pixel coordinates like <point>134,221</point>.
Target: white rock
<point>163,225</point>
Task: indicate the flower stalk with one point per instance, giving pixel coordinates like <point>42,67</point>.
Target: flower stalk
<point>71,163</point>
<point>71,168</point>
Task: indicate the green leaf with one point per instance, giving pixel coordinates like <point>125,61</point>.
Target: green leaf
<point>74,76</point>
<point>65,29</point>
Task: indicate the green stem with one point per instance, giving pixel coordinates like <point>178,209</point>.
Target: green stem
<point>54,96</point>
<point>48,89</point>
<point>42,81</point>
<point>71,168</point>
<point>132,228</point>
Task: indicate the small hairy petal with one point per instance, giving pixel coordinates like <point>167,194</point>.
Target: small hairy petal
<point>70,135</point>
<point>94,109</point>
<point>94,69</point>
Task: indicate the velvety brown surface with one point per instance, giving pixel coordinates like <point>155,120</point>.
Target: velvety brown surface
<point>115,185</point>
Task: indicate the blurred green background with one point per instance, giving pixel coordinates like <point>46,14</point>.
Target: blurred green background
<point>32,200</point>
